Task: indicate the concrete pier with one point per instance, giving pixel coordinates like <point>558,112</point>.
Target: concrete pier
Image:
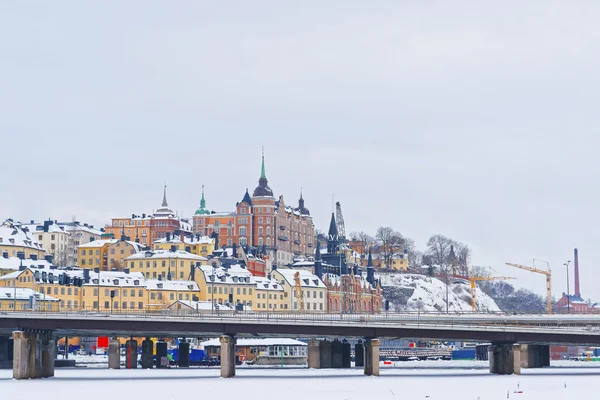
<point>505,358</point>
<point>372,357</point>
<point>131,347</point>
<point>48,356</point>
<point>314,354</point>
<point>359,354</point>
<point>227,356</point>
<point>114,354</point>
<point>535,356</point>
<point>183,355</point>
<point>336,354</point>
<point>162,360</point>
<point>325,354</point>
<point>346,351</point>
<point>33,355</point>
<point>147,354</point>
<point>20,355</point>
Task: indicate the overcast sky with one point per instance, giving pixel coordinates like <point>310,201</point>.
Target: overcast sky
<point>476,120</point>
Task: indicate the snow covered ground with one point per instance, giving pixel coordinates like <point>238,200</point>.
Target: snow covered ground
<point>429,294</point>
<point>427,382</point>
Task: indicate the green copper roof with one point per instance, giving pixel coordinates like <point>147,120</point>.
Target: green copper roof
<point>262,171</point>
<point>202,210</point>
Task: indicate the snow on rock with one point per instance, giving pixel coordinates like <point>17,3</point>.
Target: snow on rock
<point>414,292</point>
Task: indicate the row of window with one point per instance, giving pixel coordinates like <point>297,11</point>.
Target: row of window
<point>224,290</point>
<point>163,264</point>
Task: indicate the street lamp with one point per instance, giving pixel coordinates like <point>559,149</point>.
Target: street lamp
<point>568,294</point>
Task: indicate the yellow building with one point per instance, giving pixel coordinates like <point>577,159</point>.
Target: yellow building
<point>22,299</point>
<point>167,264</point>
<point>161,294</point>
<point>230,285</point>
<point>198,245</point>
<point>15,242</point>
<point>399,262</point>
<point>313,290</point>
<point>106,254</point>
<point>270,296</point>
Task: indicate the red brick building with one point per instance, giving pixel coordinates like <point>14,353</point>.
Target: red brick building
<point>262,221</point>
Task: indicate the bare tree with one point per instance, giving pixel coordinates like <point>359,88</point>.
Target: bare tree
<point>440,249</point>
<point>391,243</point>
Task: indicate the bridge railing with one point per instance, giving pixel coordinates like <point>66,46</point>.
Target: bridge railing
<point>589,322</point>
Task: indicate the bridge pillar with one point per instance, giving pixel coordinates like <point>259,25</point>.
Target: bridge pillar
<point>147,354</point>
<point>372,357</point>
<point>227,356</point>
<point>20,355</point>
<point>131,347</point>
<point>359,354</point>
<point>48,356</point>
<point>314,354</point>
<point>516,352</point>
<point>336,354</point>
<point>162,360</point>
<point>346,350</point>
<point>502,358</point>
<point>325,354</point>
<point>183,355</point>
<point>35,356</point>
<point>535,356</point>
<point>114,354</point>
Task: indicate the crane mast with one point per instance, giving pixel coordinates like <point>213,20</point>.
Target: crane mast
<point>547,273</point>
<point>473,279</point>
<point>339,219</point>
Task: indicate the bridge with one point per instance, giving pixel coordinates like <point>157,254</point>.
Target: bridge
<point>518,340</point>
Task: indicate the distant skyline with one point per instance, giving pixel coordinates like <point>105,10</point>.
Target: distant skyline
<point>475,121</point>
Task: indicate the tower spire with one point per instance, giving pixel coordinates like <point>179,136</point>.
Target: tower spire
<point>263,175</point>
<point>164,203</point>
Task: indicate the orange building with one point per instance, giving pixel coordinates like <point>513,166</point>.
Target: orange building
<point>146,229</point>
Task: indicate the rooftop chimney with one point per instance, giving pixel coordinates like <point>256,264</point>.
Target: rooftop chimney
<point>577,291</point>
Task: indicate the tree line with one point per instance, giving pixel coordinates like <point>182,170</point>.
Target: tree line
<point>441,252</point>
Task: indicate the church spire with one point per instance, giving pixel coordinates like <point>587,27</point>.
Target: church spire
<point>164,203</point>
<point>263,175</point>
<point>202,201</point>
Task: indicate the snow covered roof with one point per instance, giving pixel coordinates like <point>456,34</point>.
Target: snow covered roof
<point>307,278</point>
<point>267,284</point>
<point>76,226</point>
<point>235,274</point>
<point>243,342</point>
<point>201,305</point>
<point>41,228</point>
<point>179,254</point>
<point>23,294</point>
<point>184,286</point>
<point>187,240</point>
<point>98,243</point>
<point>116,278</point>
<point>13,263</point>
<point>12,234</point>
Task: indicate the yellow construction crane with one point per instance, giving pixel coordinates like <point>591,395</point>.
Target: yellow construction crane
<point>548,274</point>
<point>473,279</point>
<point>298,291</point>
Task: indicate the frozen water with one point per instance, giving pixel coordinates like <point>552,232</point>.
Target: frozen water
<point>461,381</point>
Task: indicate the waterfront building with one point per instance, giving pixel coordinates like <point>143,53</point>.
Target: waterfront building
<point>147,228</point>
<point>168,264</point>
<point>267,351</point>
<point>261,221</point>
<point>199,245</point>
<point>21,299</point>
<point>15,241</point>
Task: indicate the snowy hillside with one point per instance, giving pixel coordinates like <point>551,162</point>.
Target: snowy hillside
<point>413,292</point>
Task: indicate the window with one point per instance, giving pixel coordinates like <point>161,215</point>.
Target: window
<point>83,252</point>
<point>243,291</point>
<point>268,230</point>
<point>106,304</point>
<point>112,251</point>
<point>141,293</point>
<point>107,292</point>
<point>238,291</point>
<point>132,305</point>
<point>124,292</point>
<point>124,305</point>
<point>250,291</point>
<point>132,293</point>
<point>243,231</point>
<point>172,296</point>
<point>140,305</point>
<point>152,295</point>
<point>76,304</point>
<point>260,220</point>
<point>95,304</point>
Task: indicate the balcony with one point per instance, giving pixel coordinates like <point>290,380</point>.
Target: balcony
<point>283,238</point>
<point>282,227</point>
<point>296,242</point>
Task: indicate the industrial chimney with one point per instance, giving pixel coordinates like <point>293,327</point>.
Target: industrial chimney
<point>577,291</point>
